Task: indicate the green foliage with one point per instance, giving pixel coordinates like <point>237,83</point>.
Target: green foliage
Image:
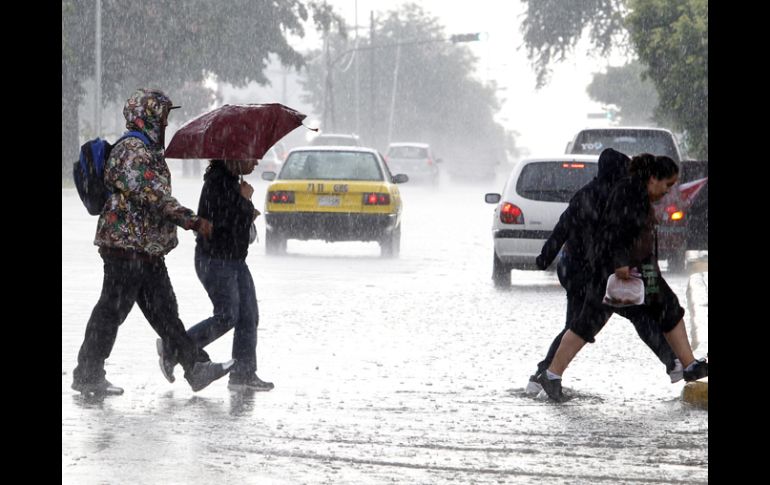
<point>437,99</point>
<point>552,29</point>
<point>624,87</point>
<point>671,38</point>
<point>167,44</point>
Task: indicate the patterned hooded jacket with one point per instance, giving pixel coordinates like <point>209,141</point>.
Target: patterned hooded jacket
<point>141,215</point>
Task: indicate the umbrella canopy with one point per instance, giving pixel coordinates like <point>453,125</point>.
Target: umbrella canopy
<point>234,132</point>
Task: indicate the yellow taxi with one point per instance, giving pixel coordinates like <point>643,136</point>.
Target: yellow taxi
<point>333,193</point>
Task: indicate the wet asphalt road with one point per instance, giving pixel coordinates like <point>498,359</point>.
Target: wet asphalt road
<point>386,371</point>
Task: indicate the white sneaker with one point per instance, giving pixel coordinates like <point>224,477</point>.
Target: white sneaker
<point>677,374</point>
<point>533,387</point>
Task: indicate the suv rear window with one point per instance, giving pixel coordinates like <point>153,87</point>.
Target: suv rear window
<point>407,152</point>
<point>629,141</point>
<point>554,181</point>
<point>332,140</point>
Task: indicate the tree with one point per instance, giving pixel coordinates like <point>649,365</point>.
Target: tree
<point>671,38</point>
<point>437,99</point>
<point>168,43</point>
<point>552,29</point>
<point>624,87</point>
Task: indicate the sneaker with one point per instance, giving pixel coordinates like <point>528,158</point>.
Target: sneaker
<point>204,373</point>
<point>250,383</point>
<point>533,387</point>
<point>166,364</point>
<point>698,370</point>
<point>552,387</point>
<point>677,374</point>
<point>103,388</point>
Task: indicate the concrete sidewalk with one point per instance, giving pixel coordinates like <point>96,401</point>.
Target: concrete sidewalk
<point>696,393</point>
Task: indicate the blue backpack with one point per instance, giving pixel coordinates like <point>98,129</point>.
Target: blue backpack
<point>88,171</point>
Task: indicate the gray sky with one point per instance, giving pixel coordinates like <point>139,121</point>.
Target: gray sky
<point>545,119</point>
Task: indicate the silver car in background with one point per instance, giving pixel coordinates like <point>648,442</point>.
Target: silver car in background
<point>414,159</point>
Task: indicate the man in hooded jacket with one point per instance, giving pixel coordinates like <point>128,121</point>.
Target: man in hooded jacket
<point>136,229</point>
<point>574,235</point>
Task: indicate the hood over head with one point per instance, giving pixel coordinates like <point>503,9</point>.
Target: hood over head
<point>613,166</point>
<point>146,110</point>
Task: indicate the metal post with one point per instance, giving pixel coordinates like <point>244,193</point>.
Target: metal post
<point>98,73</point>
<point>327,84</point>
<point>358,132</point>
<point>372,90</point>
<point>393,94</point>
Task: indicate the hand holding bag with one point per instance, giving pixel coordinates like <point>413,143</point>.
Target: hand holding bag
<point>622,293</point>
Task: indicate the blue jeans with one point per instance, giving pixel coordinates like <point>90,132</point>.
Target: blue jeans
<point>231,290</point>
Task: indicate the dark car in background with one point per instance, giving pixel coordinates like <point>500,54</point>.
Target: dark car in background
<point>683,215</point>
<point>698,214</point>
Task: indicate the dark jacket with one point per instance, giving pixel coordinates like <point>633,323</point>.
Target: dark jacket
<point>579,222</point>
<point>626,233</point>
<point>231,214</point>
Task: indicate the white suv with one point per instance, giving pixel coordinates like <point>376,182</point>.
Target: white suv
<point>535,195</point>
<point>336,139</point>
<point>630,140</point>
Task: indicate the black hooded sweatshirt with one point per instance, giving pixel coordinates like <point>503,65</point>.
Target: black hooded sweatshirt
<point>579,222</point>
<point>626,234</point>
<point>230,213</point>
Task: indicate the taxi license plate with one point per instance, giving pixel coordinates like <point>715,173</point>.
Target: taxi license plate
<point>328,200</point>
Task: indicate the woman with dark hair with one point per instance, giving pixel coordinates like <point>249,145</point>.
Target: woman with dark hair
<point>626,246</point>
<point>220,263</point>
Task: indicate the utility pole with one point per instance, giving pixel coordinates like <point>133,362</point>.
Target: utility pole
<point>372,89</point>
<point>98,71</point>
<point>356,88</point>
<point>393,94</point>
<point>328,115</point>
<point>328,97</point>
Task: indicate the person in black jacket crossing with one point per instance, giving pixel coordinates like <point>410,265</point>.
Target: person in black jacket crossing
<point>574,236</point>
<point>625,245</point>
<point>220,263</point>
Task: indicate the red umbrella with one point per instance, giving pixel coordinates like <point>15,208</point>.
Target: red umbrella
<point>234,132</point>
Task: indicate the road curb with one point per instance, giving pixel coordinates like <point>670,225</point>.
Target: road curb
<point>697,393</point>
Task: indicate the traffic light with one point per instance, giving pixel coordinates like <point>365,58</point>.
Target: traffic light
<point>465,37</point>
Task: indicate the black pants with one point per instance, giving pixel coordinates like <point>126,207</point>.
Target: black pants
<point>651,320</point>
<point>646,323</point>
<point>143,281</point>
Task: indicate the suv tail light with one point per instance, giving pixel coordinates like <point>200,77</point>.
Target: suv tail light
<point>376,198</point>
<point>281,197</point>
<point>674,213</point>
<point>511,214</point>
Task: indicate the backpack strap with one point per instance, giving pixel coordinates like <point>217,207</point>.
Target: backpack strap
<point>134,134</point>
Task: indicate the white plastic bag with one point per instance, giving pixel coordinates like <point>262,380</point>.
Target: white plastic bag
<point>622,293</point>
<point>253,233</point>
